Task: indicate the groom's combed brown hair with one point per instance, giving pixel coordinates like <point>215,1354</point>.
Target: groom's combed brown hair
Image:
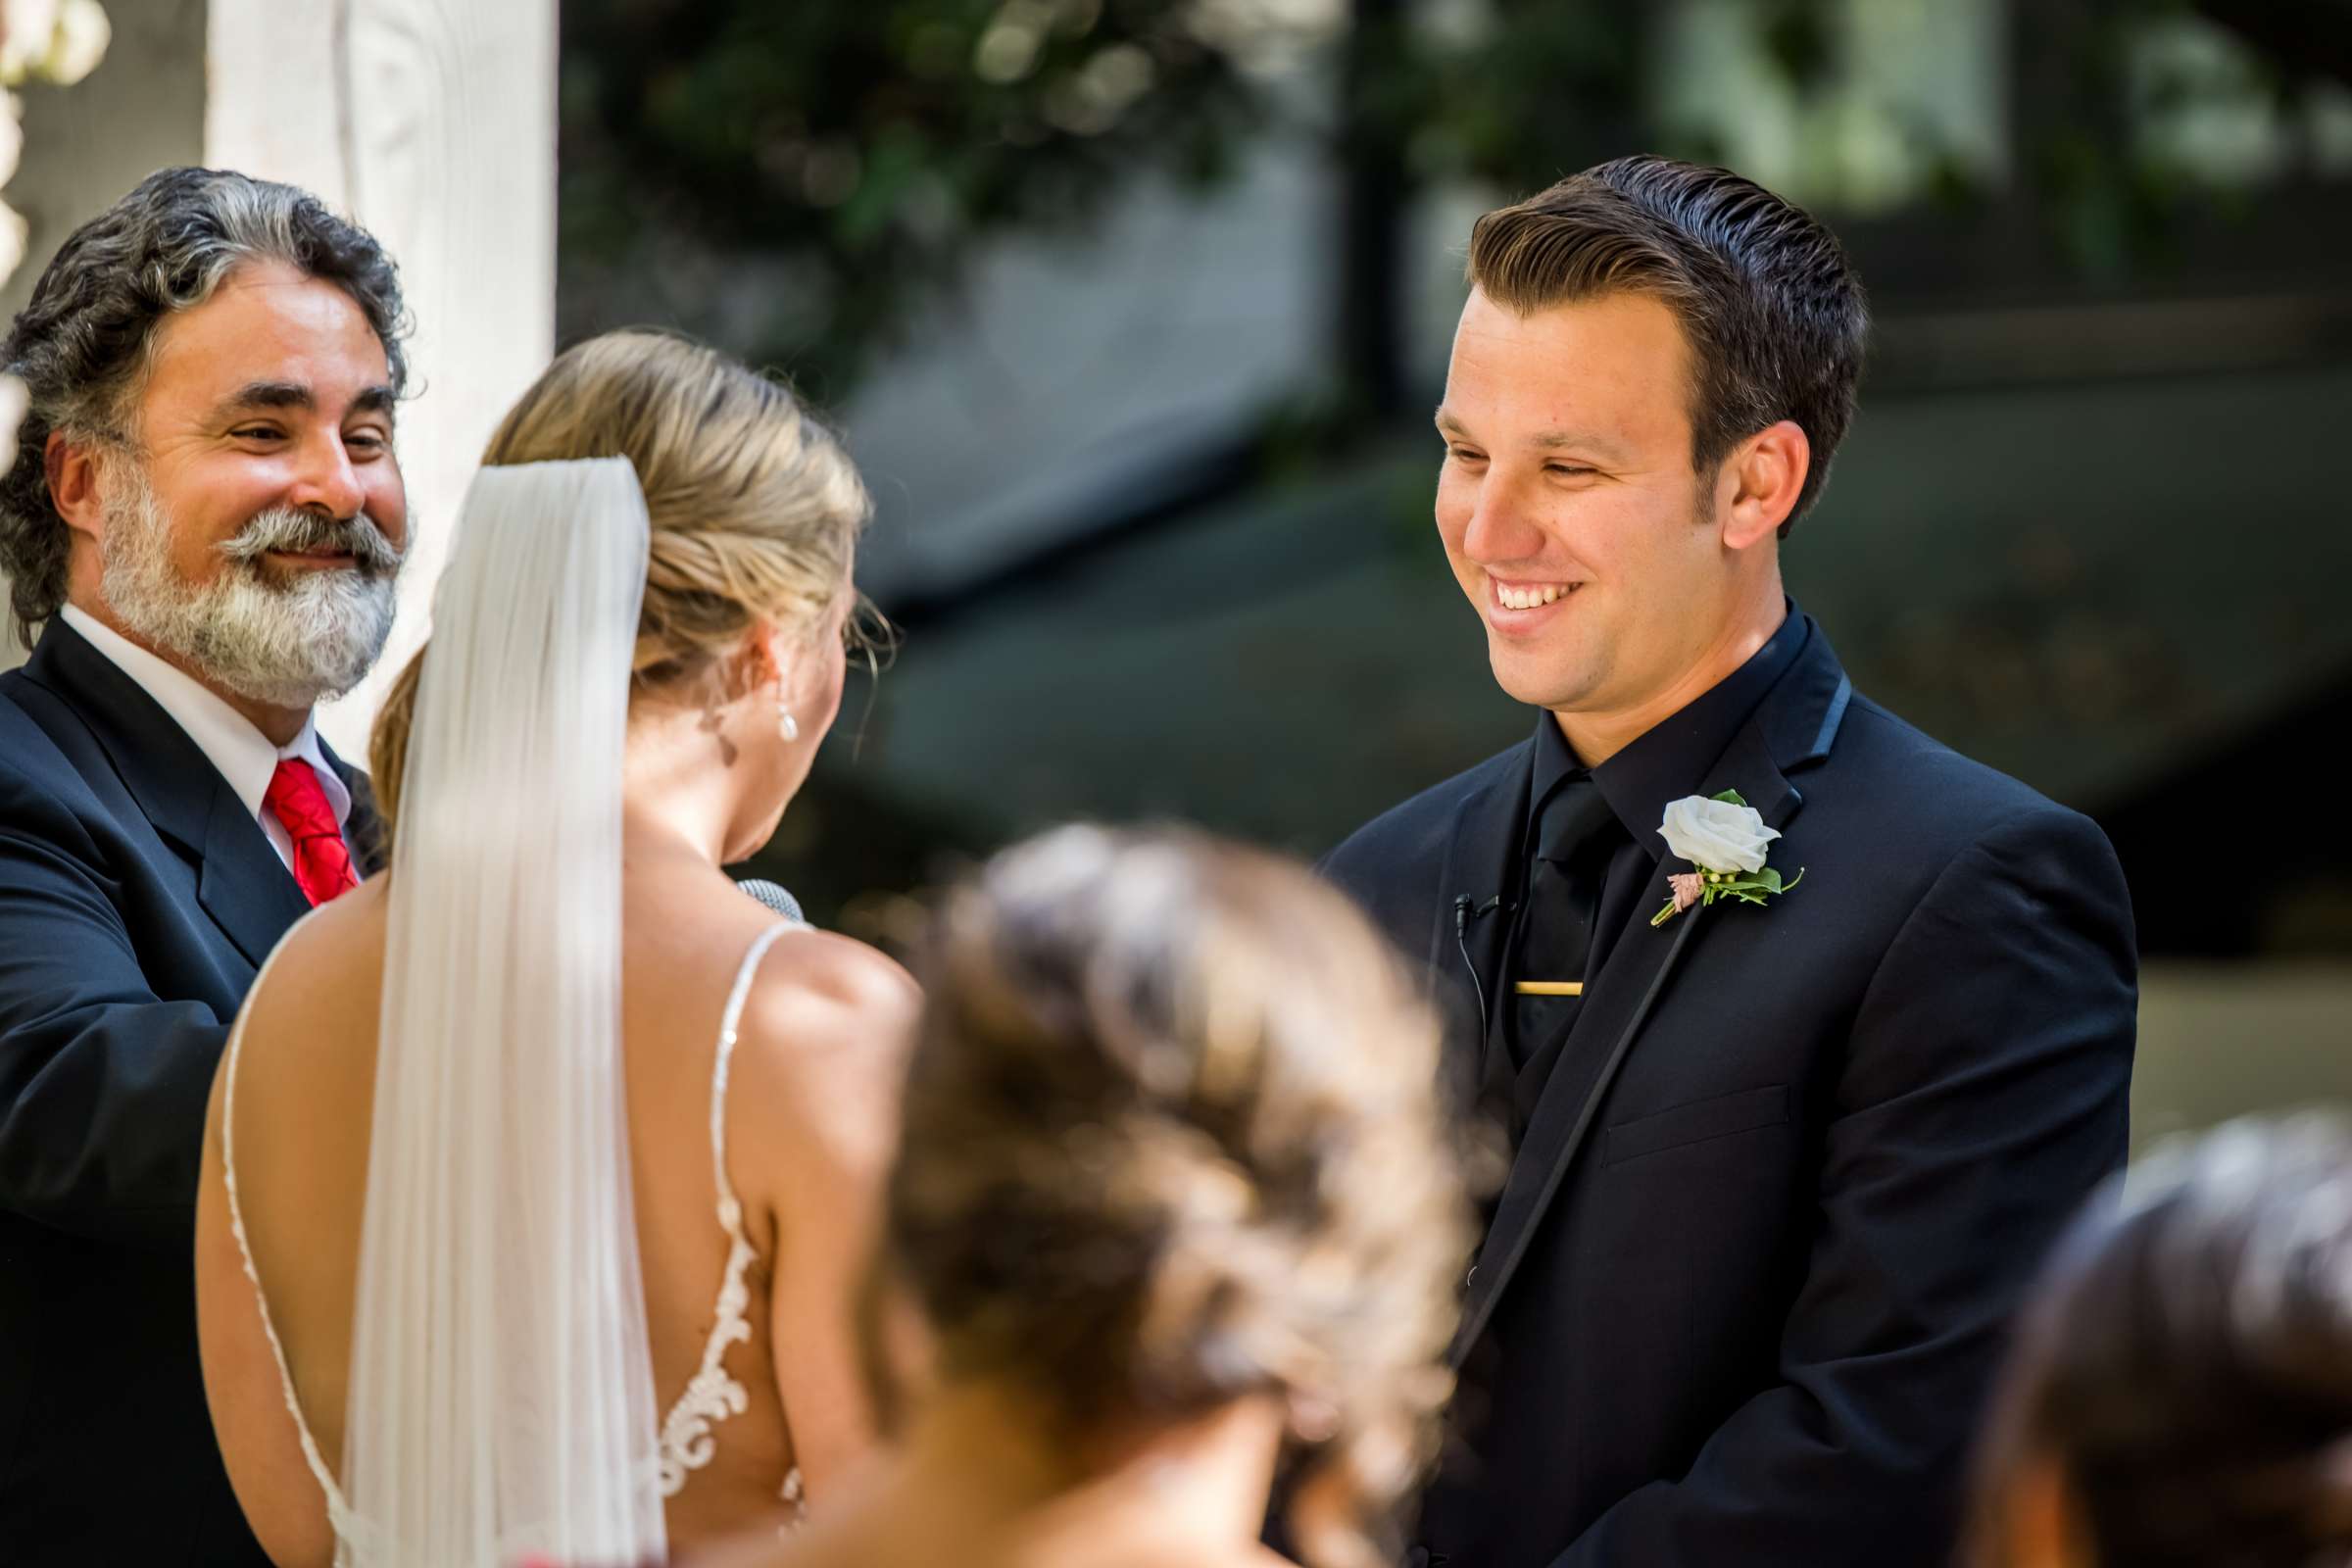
<point>1773,311</point>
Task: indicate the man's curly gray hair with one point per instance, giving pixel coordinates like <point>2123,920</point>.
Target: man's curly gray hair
<point>82,344</point>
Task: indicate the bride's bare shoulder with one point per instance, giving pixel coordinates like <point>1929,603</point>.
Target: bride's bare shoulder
<point>818,992</point>
<point>836,971</point>
<point>823,1041</point>
<point>324,976</point>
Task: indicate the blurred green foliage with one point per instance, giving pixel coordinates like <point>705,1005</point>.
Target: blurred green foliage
<point>799,178</point>
<point>870,145</point>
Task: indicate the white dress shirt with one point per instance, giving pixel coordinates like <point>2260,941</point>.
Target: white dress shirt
<point>244,754</point>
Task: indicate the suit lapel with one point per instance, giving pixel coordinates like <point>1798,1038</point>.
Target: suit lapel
<point>166,772</point>
<point>244,887</point>
<point>1466,940</point>
<point>1621,999</point>
<point>1798,721</point>
<point>241,882</point>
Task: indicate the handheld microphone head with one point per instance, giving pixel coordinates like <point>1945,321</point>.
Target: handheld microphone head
<point>774,896</point>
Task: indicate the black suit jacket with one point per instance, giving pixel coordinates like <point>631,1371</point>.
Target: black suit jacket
<point>1740,1302</point>
<point>137,898</point>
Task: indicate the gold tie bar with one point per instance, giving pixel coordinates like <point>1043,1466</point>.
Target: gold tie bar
<point>1548,988</point>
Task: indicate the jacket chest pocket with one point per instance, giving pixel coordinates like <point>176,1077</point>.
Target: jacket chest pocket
<point>1696,1121</point>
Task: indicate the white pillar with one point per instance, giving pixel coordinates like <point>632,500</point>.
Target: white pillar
<point>432,124</point>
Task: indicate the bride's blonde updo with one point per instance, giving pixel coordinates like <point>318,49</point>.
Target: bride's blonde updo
<point>755,507</point>
<point>1173,1137</point>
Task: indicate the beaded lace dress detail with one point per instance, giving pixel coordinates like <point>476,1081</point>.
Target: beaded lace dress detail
<point>714,1394</point>
<point>689,1440</point>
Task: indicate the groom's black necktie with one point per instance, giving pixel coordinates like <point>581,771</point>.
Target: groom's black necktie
<point>1568,860</point>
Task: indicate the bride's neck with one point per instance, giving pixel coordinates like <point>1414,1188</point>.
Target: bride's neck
<point>678,792</point>
<point>1204,1480</point>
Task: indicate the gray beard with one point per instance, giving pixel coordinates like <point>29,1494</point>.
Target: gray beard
<point>291,643</point>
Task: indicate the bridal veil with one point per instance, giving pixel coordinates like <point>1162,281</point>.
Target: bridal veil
<point>502,1398</point>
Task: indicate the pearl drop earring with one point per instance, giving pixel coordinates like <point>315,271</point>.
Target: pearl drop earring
<point>786,724</point>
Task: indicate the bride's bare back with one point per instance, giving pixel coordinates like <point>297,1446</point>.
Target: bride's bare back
<point>811,1120</point>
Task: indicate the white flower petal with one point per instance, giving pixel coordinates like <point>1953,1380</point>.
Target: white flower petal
<point>12,414</point>
<point>80,42</point>
<point>1717,835</point>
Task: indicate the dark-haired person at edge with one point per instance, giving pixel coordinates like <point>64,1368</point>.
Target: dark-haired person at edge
<point>2180,1395</point>
<point>1799,1084</point>
<point>1173,1207</point>
<point>204,524</point>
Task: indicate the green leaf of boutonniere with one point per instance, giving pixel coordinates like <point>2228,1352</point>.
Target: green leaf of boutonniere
<point>1748,887</point>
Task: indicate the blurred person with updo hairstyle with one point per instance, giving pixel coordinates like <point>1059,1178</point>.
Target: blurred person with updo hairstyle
<point>541,1170</point>
<point>2181,1388</point>
<point>1176,1204</point>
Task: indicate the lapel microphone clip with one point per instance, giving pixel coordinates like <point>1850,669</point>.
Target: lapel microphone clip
<point>1466,909</point>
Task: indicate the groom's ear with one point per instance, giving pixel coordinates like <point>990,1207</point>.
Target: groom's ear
<point>1765,474</point>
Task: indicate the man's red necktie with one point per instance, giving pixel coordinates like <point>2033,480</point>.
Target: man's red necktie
<point>322,859</point>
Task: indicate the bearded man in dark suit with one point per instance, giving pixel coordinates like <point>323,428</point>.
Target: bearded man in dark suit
<point>1808,1033</point>
<point>203,523</point>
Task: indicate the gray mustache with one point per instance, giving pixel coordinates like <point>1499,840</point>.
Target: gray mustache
<point>284,528</point>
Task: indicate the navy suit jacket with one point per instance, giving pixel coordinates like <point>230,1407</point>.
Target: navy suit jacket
<point>1740,1301</point>
<point>137,898</point>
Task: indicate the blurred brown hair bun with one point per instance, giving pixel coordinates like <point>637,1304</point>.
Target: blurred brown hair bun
<point>1173,1136</point>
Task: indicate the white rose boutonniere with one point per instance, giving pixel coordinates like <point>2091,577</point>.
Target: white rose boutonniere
<point>1726,840</point>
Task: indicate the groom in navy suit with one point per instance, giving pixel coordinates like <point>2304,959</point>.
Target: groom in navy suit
<point>1784,1150</point>
<point>203,523</point>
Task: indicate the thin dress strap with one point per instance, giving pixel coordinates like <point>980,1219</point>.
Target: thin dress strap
<point>338,1512</point>
<point>713,1395</point>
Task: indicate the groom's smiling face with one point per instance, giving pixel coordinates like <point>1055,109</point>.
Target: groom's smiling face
<point>1568,504</point>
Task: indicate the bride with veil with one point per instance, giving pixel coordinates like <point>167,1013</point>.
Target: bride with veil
<point>539,1170</point>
